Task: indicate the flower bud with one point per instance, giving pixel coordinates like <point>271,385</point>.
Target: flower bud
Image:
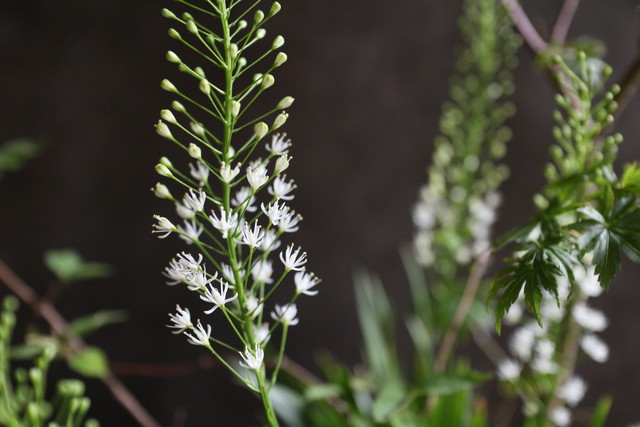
<point>267,81</point>
<point>260,130</point>
<point>168,86</point>
<point>200,72</point>
<point>172,57</point>
<point>205,87</point>
<point>177,106</point>
<point>257,77</point>
<point>192,27</point>
<point>282,163</point>
<point>242,62</point>
<point>280,120</point>
<point>258,17</point>
<point>281,58</point>
<point>260,33</point>
<point>233,50</point>
<point>174,34</point>
<point>186,16</point>
<point>275,8</point>
<point>163,130</point>
<point>242,24</point>
<point>278,42</point>
<point>285,102</point>
<point>234,106</point>
<point>195,151</point>
<point>161,191</point>
<point>165,161</point>
<point>168,116</point>
<point>197,128</point>
<point>168,14</point>
<point>163,170</point>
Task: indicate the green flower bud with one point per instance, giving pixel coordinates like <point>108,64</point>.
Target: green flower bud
<point>174,34</point>
<point>168,14</point>
<point>168,116</point>
<point>282,163</point>
<point>200,72</point>
<point>281,58</point>
<point>234,106</point>
<point>161,191</point>
<point>165,161</point>
<point>172,57</point>
<point>285,102</point>
<point>205,87</point>
<point>260,130</point>
<point>163,170</point>
<point>260,33</point>
<point>233,50</point>
<point>163,130</point>
<point>242,24</point>
<point>195,151</point>
<point>177,106</point>
<point>275,8</point>
<point>192,27</point>
<point>257,77</point>
<point>280,120</point>
<point>197,129</point>
<point>168,86</point>
<point>267,81</point>
<point>258,17</point>
<point>278,42</point>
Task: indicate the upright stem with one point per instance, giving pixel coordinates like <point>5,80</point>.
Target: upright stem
<point>563,22</point>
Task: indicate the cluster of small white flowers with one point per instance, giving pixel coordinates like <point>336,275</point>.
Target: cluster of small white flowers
<point>534,346</point>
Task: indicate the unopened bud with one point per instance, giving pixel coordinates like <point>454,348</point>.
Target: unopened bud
<point>168,116</point>
<point>168,14</point>
<point>161,191</point>
<point>234,106</point>
<point>174,34</point>
<point>280,120</point>
<point>197,128</point>
<point>233,50</point>
<point>168,86</point>
<point>242,24</point>
<point>163,170</point>
<point>275,8</point>
<point>200,72</point>
<point>195,151</point>
<point>281,58</point>
<point>242,62</point>
<point>260,33</point>
<point>192,27</point>
<point>282,163</point>
<point>205,87</point>
<point>165,161</point>
<point>163,130</point>
<point>172,57</point>
<point>186,16</point>
<point>177,106</point>
<point>285,102</point>
<point>278,42</point>
<point>260,130</point>
<point>258,17</point>
<point>257,77</point>
<point>267,81</point>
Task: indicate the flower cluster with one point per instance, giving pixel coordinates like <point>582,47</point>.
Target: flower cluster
<point>537,353</point>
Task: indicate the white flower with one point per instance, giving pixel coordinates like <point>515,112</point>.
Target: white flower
<point>588,281</point>
<point>227,174</point>
<point>509,370</point>
<point>280,188</point>
<point>182,268</point>
<point>278,144</point>
<point>163,226</point>
<point>257,177</point>
<point>200,335</point>
<point>560,416</point>
<point>282,164</point>
<point>304,282</point>
<point>184,212</point>
<point>217,298</point>
<point>522,342</point>
<point>190,232</point>
<point>181,320</point>
<point>161,191</point>
<point>262,271</point>
<point>293,260</point>
<point>595,348</point>
<point>286,314</point>
<point>261,333</point>
<point>254,306</point>
<point>274,211</point>
<point>244,196</point>
<point>270,241</point>
<point>514,314</point>
<point>252,236</point>
<point>199,279</point>
<point>589,318</point>
<point>194,201</point>
<point>424,215</point>
<point>227,273</point>
<point>289,222</point>
<point>199,172</point>
<point>225,222</point>
<point>572,391</point>
<point>252,359</point>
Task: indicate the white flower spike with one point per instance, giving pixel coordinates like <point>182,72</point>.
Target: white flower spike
<point>201,336</point>
<point>252,359</point>
<point>217,298</point>
<point>293,260</point>
<point>181,320</point>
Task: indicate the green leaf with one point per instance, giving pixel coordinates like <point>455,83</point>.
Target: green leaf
<point>86,325</point>
<point>90,362</point>
<point>630,180</point>
<point>601,412</point>
<point>388,400</point>
<point>15,153</point>
<point>68,266</point>
<point>288,404</point>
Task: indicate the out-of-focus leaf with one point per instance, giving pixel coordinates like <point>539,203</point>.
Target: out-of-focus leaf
<point>90,362</point>
<point>68,266</point>
<point>321,392</point>
<point>601,412</point>
<point>388,400</point>
<point>15,153</point>
<point>288,404</point>
<point>85,325</point>
<point>448,384</point>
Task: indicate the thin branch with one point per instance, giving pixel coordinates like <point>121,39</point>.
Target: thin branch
<point>466,300</point>
<point>628,87</point>
<point>524,26</point>
<point>60,327</point>
<point>563,22</point>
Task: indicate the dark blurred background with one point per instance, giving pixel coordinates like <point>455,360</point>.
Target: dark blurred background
<point>368,76</point>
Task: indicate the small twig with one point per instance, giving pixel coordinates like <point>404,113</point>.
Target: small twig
<point>563,22</point>
<point>525,27</point>
<point>60,327</point>
<point>466,300</point>
<point>488,345</point>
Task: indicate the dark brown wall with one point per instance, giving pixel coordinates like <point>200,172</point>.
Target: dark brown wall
<point>369,78</point>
